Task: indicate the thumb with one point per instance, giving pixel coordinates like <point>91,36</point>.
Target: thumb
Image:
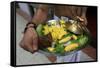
<point>35,44</point>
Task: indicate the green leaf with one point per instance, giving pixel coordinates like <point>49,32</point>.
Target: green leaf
<point>69,34</point>
<point>39,30</point>
<point>59,49</point>
<point>83,40</point>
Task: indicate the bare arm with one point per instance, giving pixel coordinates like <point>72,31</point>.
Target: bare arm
<point>82,11</point>
<point>29,41</point>
<point>40,15</point>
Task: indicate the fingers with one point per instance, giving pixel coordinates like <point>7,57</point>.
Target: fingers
<point>35,44</point>
<point>85,21</point>
<point>26,47</point>
<point>29,41</point>
<point>35,41</point>
<point>82,19</point>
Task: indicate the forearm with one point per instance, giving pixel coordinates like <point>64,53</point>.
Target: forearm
<point>40,15</point>
<point>81,15</point>
<point>84,10</point>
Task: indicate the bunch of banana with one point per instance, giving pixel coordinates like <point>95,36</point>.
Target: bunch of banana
<point>71,47</point>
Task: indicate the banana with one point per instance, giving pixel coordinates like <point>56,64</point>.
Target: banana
<point>51,49</point>
<point>65,39</point>
<point>71,47</point>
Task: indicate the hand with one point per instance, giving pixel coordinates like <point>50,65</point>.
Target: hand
<point>82,19</point>
<point>29,41</point>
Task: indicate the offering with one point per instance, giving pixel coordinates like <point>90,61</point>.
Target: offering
<point>61,37</point>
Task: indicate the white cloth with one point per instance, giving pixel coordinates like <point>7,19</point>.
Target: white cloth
<point>75,57</point>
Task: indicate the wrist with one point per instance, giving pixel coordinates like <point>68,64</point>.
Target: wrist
<point>29,25</point>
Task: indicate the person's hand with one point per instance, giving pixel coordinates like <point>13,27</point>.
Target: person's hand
<point>29,41</point>
<point>30,38</point>
<point>82,19</point>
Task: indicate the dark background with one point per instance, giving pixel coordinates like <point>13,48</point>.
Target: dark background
<point>92,24</point>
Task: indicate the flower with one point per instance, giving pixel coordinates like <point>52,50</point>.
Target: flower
<point>57,32</point>
<point>46,30</point>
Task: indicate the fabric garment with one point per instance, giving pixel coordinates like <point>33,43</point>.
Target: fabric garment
<point>75,57</point>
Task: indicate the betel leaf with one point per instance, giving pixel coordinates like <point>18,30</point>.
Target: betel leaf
<point>39,30</point>
<point>83,40</point>
<point>59,49</point>
<point>73,41</point>
<point>69,34</point>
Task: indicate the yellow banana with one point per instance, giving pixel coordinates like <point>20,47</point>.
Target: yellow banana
<point>51,49</point>
<point>71,46</point>
<point>65,39</point>
<point>74,36</point>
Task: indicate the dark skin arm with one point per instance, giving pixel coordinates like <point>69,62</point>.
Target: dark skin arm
<point>40,15</point>
<point>29,41</point>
